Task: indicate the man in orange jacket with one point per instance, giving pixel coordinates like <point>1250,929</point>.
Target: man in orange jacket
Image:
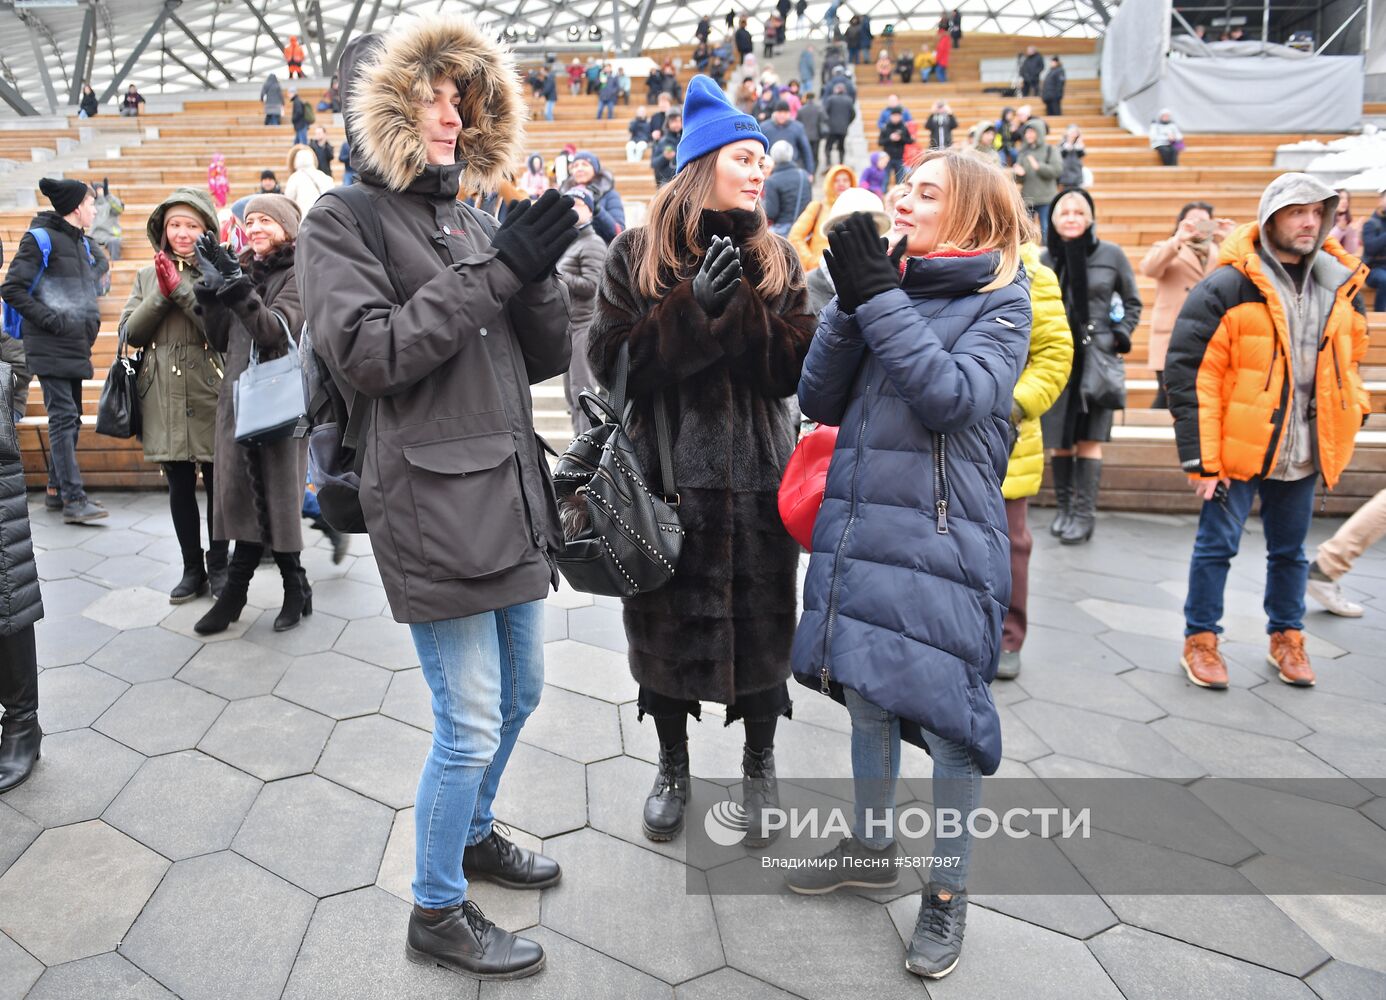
<point>1263,384</point>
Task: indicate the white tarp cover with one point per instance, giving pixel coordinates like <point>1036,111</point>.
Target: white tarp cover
<point>1258,94</point>
<point>1133,50</point>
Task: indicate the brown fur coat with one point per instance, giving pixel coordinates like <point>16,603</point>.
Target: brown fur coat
<point>722,628</point>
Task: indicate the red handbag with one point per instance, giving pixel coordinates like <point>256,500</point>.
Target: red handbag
<point>805,477</point>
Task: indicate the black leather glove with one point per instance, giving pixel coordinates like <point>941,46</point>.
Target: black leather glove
<point>535,234</point>
<point>859,262</point>
<point>719,277</point>
<point>215,263</point>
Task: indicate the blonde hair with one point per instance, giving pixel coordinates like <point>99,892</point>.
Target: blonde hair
<point>1083,203</point>
<point>674,221</point>
<point>985,211</point>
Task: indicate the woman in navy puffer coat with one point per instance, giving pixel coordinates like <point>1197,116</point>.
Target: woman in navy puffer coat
<point>909,577</point>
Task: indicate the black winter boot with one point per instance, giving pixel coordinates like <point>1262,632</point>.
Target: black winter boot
<point>298,596</point>
<point>668,799</point>
<point>460,938</point>
<point>194,582</point>
<point>216,570</point>
<point>20,738</point>
<point>340,542</point>
<point>1062,468</point>
<point>759,792</point>
<point>1087,481</point>
<point>231,603</point>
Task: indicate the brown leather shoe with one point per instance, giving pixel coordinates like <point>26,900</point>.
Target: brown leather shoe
<point>1202,661</point>
<point>1288,656</point>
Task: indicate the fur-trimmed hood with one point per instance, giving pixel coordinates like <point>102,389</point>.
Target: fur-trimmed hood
<point>385,77</point>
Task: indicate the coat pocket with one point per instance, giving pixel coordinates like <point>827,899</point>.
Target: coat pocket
<point>467,503</point>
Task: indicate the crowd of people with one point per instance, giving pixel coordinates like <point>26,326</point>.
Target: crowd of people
<point>959,315</point>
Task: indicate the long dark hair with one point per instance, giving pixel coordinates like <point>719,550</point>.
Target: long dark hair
<point>1192,206</point>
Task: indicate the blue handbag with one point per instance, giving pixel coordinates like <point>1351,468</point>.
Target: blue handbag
<point>267,398</point>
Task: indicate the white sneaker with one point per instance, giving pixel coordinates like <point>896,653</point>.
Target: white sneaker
<point>1330,595</point>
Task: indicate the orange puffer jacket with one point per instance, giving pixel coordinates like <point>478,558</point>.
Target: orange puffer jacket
<point>1228,371</point>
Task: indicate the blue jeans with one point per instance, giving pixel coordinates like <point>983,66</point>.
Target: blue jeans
<point>301,134</point>
<point>1041,214</point>
<point>1376,278</point>
<point>942,73</point>
<point>876,768</point>
<point>486,673</point>
<point>62,398</point>
<point>608,106</point>
<point>1286,509</point>
<point>548,110</point>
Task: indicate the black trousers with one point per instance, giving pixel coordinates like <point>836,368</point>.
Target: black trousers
<point>19,672</point>
<point>840,141</point>
<point>1053,108</point>
<point>182,507</point>
<point>759,707</point>
<point>1169,156</point>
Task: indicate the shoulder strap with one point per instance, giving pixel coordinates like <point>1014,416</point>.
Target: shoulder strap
<point>45,245</point>
<point>664,441</point>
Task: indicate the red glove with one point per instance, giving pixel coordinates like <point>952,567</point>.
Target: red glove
<point>167,273</point>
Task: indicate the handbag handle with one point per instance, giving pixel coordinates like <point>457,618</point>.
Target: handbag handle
<point>293,344</point>
<point>663,438</point>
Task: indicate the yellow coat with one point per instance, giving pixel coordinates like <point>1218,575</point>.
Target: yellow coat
<point>1044,377</point>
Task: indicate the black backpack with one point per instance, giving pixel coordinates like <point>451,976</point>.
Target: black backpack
<point>336,424</point>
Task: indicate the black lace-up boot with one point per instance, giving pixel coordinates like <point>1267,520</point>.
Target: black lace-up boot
<point>506,863</point>
<point>668,799</point>
<point>460,938</point>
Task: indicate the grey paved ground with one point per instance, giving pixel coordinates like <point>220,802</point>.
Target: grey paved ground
<point>233,819</point>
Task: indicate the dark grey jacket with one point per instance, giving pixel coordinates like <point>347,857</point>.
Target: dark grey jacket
<point>840,111</point>
<point>20,603</point>
<point>580,270</point>
<point>62,316</point>
<point>457,496</point>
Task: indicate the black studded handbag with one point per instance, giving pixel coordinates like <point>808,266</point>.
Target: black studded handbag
<point>621,533</point>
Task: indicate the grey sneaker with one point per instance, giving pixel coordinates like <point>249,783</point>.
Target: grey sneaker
<point>1330,595</point>
<point>83,510</point>
<point>1009,667</point>
<point>850,863</point>
<point>938,933</point>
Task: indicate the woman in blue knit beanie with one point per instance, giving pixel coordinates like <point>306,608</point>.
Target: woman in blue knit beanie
<point>712,306</point>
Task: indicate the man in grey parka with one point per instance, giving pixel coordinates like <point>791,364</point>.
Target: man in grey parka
<point>580,270</point>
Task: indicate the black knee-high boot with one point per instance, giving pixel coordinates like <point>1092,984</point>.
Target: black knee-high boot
<point>231,603</point>
<point>298,596</point>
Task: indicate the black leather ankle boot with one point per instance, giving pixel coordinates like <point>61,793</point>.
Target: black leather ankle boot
<point>231,603</point>
<point>298,596</point>
<point>759,792</point>
<point>460,938</point>
<point>20,738</point>
<point>194,582</point>
<point>668,799</point>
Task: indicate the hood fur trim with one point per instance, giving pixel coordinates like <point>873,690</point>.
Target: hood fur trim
<point>385,98</point>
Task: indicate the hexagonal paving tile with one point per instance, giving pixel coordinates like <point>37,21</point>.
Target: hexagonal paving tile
<point>590,670</point>
<point>145,654</point>
<point>17,832</point>
<point>234,670</point>
<point>574,726</point>
<point>409,699</point>
<point>220,926</point>
<point>160,717</point>
<point>63,564</point>
<point>185,616</point>
<point>73,697</point>
<point>18,969</point>
<point>542,792</point>
<point>728,983</point>
<point>129,607</point>
<point>353,951</point>
<point>64,598</point>
<point>65,788</point>
<point>381,641</point>
<point>314,633</point>
<point>183,804</point>
<point>1147,966</point>
<point>572,970</point>
<point>348,599</point>
<point>378,757</point>
<point>334,685</point>
<point>125,571</point>
<point>317,835</point>
<point>268,737</point>
<point>76,891</point>
<point>60,641</point>
<point>602,913</point>
<point>107,976</point>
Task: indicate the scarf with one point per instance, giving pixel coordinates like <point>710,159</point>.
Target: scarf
<point>1070,259</point>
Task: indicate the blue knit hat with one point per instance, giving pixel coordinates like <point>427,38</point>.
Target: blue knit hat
<point>710,121</point>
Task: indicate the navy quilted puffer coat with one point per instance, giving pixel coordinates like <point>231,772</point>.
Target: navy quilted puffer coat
<point>910,572</point>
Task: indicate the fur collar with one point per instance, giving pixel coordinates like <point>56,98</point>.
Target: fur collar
<point>278,259</point>
<point>737,224</point>
<point>395,73</point>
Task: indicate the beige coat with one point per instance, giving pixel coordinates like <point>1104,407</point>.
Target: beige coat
<point>1176,269</point>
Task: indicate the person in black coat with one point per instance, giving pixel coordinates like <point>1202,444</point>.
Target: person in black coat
<point>893,139</point>
<point>89,107</point>
<point>1103,307</point>
<point>322,149</point>
<point>1052,90</point>
<point>745,44</point>
<point>61,320</point>
<point>21,606</point>
<point>1031,69</point>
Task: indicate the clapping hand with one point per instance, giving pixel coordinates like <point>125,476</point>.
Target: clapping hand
<point>166,272</point>
<point>861,263</point>
<point>214,261</point>
<point>719,277</point>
